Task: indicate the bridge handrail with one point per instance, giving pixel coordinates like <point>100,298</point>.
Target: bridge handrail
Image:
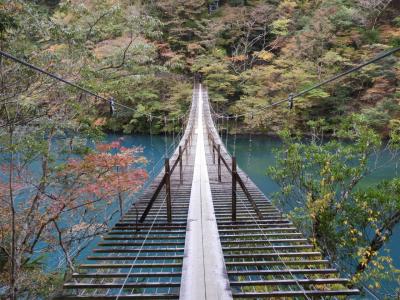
<point>216,147</point>
<point>235,178</point>
<point>165,180</point>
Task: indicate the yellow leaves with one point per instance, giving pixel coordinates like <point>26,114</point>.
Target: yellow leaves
<point>326,169</point>
<point>332,57</point>
<point>280,27</point>
<point>264,55</point>
<point>287,6</point>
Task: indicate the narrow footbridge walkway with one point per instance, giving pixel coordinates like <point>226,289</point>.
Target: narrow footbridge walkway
<point>203,230</point>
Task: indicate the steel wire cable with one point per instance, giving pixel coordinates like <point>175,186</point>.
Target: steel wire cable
<point>141,248</point>
<point>83,89</point>
<point>293,96</point>
<point>274,249</point>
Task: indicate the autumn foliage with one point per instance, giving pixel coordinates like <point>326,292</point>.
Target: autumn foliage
<point>64,209</point>
<point>101,175</point>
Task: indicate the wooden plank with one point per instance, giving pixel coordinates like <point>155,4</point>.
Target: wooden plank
<point>291,282</point>
<point>121,297</point>
<point>126,275</point>
<point>153,198</point>
<point>300,293</point>
<point>281,272</point>
<point>127,285</point>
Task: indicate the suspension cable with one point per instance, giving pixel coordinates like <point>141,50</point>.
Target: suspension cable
<point>292,96</point>
<point>83,89</point>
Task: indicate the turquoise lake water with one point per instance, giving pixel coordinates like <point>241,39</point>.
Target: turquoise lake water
<point>253,160</point>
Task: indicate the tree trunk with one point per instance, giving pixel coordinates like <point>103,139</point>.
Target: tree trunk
<point>378,241</point>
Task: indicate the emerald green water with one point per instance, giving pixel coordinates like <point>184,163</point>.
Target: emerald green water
<point>252,158</point>
<point>255,159</point>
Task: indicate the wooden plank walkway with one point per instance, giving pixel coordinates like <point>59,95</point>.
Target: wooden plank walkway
<point>143,260</point>
<point>261,254</point>
<point>265,257</point>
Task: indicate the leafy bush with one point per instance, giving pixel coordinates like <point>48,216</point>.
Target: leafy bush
<point>371,36</point>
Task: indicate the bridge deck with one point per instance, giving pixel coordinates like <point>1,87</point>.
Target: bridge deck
<point>202,253</point>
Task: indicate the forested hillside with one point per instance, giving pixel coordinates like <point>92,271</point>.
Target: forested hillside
<point>144,54</point>
<point>250,53</point>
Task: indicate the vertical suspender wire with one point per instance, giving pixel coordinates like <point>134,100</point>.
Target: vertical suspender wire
<point>267,239</point>
<point>173,132</point>
<point>249,151</point>
<point>165,137</point>
<point>226,133</point>
<point>249,155</point>
<point>234,138</point>
<point>151,144</point>
<point>217,123</point>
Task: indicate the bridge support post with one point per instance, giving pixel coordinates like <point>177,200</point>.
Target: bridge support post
<point>234,174</point>
<point>180,165</point>
<point>168,190</point>
<point>219,162</point>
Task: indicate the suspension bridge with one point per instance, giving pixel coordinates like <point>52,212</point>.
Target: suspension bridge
<point>203,230</point>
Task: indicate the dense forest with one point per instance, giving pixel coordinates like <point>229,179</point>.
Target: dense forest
<point>250,53</point>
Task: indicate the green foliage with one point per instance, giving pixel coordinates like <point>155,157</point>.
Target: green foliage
<point>250,54</point>
<point>280,27</point>
<point>371,36</point>
<point>395,42</point>
<point>348,221</point>
<point>397,21</point>
<point>219,78</point>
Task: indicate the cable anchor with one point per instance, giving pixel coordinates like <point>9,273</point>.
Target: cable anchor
<point>112,106</point>
<point>290,100</point>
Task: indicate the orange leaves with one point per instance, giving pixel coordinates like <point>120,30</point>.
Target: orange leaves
<point>108,147</point>
<point>99,122</point>
<point>238,58</point>
<point>164,50</point>
<point>102,175</point>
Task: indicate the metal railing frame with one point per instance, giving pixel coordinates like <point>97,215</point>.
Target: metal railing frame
<point>236,179</point>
